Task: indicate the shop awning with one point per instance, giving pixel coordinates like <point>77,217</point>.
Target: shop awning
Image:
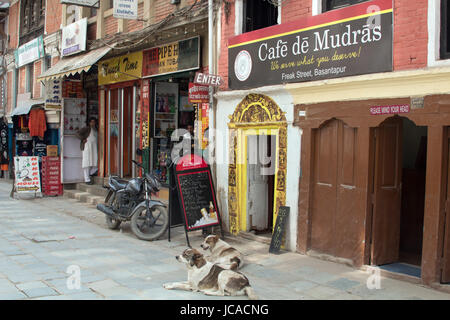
<point>24,109</point>
<point>73,65</point>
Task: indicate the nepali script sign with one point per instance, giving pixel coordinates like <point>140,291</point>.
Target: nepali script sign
<point>345,42</point>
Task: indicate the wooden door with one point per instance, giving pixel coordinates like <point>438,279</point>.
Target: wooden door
<point>335,224</point>
<point>324,190</point>
<point>445,276</point>
<point>387,193</point>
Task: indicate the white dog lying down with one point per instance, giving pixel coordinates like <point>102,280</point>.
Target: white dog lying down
<point>211,279</point>
<point>222,253</point>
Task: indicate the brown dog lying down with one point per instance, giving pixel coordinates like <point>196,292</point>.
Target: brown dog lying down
<point>222,253</point>
<point>211,279</point>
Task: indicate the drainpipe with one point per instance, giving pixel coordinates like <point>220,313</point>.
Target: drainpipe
<point>211,88</point>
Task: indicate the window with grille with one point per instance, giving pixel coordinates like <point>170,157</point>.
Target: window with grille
<point>32,19</point>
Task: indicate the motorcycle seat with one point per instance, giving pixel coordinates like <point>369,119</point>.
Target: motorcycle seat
<point>118,184</point>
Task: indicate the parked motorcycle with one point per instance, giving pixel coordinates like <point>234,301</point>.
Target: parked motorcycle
<point>131,201</point>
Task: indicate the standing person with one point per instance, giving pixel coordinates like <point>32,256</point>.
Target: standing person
<point>88,145</point>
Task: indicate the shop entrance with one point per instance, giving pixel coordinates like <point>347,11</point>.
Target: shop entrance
<point>398,195</point>
<point>260,182</point>
<point>121,138</point>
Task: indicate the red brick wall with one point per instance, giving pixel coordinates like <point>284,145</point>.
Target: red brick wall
<point>293,10</point>
<point>110,25</point>
<point>92,31</point>
<point>162,8</point>
<point>22,79</point>
<point>13,25</point>
<point>227,31</point>
<point>134,25</point>
<point>53,16</point>
<point>37,84</point>
<point>410,32</point>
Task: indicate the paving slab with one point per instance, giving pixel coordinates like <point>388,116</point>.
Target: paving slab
<point>116,265</point>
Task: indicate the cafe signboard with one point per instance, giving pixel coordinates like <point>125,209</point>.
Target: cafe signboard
<point>123,68</point>
<point>345,42</point>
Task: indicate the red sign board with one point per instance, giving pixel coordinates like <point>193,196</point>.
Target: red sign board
<point>198,94</point>
<point>380,110</point>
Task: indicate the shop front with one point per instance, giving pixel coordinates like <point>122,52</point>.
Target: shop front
<point>169,69</point>
<point>120,114</point>
<point>71,98</point>
<point>144,99</point>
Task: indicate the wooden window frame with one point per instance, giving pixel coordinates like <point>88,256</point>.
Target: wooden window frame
<point>444,49</point>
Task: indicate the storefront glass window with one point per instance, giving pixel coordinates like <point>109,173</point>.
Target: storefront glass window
<point>114,132</point>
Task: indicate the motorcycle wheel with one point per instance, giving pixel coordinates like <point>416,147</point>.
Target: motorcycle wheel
<point>112,224</point>
<point>140,227</point>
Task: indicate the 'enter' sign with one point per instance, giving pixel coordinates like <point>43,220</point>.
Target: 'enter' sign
<point>208,79</point>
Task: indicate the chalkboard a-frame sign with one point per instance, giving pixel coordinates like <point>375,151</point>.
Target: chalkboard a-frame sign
<point>278,231</point>
<point>196,193</point>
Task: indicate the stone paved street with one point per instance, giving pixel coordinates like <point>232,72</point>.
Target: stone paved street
<point>41,238</point>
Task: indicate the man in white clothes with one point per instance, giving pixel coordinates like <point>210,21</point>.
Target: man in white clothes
<point>88,145</point>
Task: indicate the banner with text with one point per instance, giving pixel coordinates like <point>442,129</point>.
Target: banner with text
<point>345,42</point>
<point>125,9</point>
<point>123,68</point>
<point>178,56</point>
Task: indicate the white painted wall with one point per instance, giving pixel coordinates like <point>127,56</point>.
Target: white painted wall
<point>226,104</point>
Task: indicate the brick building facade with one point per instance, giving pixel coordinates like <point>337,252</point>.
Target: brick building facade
<point>313,124</point>
<point>334,176</point>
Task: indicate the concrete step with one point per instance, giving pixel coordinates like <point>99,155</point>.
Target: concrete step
<point>84,197</point>
<point>94,189</point>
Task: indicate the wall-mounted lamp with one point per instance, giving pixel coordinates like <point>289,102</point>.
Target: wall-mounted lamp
<point>174,1</point>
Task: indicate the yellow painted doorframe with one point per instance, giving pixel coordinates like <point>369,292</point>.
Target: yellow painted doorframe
<point>255,115</point>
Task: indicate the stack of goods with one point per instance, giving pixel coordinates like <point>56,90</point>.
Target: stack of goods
<point>51,176</point>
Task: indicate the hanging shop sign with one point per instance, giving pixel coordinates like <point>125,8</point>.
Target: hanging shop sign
<point>83,3</point>
<point>198,94</point>
<point>380,110</point>
<point>53,94</point>
<point>125,9</point>
<point>345,42</point>
<point>74,38</point>
<point>178,56</point>
<point>208,79</point>
<point>124,68</point>
<point>27,174</point>
<point>29,52</point>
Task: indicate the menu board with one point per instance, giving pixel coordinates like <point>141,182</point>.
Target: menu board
<point>196,193</point>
